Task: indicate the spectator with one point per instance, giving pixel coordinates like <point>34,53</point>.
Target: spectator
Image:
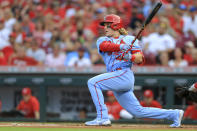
<point>30,105</point>
<point>18,33</point>
<point>3,60</point>
<point>80,60</point>
<point>178,59</point>
<point>20,58</point>
<point>35,52</point>
<point>27,25</point>
<point>5,47</point>
<point>190,21</point>
<point>115,111</point>
<point>157,42</point>
<point>189,46</point>
<point>55,59</point>
<point>194,56</point>
<point>96,58</point>
<point>9,19</point>
<point>38,34</point>
<point>164,58</point>
<point>191,112</point>
<point>149,100</point>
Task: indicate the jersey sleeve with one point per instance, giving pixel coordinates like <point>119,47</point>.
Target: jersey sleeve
<point>157,104</point>
<point>20,106</point>
<point>136,47</point>
<point>99,41</point>
<point>187,112</point>
<point>36,105</point>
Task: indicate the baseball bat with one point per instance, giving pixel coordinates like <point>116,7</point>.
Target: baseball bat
<point>147,21</point>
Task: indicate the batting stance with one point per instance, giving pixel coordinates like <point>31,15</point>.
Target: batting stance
<point>119,77</point>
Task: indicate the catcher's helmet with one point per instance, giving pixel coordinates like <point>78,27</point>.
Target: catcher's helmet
<point>116,22</point>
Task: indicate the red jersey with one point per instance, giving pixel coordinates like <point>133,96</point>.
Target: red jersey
<point>7,51</point>
<point>29,107</point>
<point>114,109</point>
<point>3,60</point>
<point>191,112</point>
<point>152,104</point>
<point>26,61</point>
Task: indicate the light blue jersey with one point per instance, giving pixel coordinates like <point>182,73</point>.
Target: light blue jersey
<point>110,59</point>
<point>121,82</point>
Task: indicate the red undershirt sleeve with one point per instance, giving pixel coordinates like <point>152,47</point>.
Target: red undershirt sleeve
<point>107,46</point>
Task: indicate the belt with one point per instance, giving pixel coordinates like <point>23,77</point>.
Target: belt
<point>118,69</point>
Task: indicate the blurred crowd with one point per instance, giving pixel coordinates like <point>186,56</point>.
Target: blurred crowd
<point>59,33</point>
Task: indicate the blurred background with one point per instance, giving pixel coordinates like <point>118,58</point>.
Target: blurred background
<point>48,52</point>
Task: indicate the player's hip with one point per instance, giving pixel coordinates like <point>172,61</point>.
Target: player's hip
<point>119,80</point>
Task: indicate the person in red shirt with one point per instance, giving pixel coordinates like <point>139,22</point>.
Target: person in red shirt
<point>30,105</point>
<point>191,112</point>
<point>115,110</point>
<point>3,60</point>
<point>20,59</point>
<point>113,106</point>
<point>149,101</point>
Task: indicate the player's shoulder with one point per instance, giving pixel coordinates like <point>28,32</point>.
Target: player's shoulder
<point>102,38</point>
<point>34,99</point>
<point>22,102</point>
<point>128,37</point>
<point>155,102</point>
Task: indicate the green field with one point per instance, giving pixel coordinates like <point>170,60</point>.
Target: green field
<point>36,126</point>
<point>83,129</point>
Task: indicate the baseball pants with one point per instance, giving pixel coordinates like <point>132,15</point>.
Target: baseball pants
<point>121,82</point>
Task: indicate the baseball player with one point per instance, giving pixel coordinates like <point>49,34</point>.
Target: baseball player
<point>120,78</point>
<point>30,105</point>
<point>189,93</point>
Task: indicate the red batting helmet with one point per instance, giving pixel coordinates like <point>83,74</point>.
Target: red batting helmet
<point>114,19</point>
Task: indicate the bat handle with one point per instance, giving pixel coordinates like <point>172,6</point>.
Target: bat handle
<point>139,33</point>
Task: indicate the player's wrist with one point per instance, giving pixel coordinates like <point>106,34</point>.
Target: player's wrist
<point>132,58</point>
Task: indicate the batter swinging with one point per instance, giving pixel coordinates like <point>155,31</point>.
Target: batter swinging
<point>119,77</point>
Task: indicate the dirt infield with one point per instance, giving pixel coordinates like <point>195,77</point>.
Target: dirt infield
<point>80,125</point>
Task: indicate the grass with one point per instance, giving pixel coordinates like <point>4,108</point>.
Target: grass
<point>81,129</point>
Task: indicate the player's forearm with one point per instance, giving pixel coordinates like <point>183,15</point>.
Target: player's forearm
<point>137,58</point>
<point>107,46</point>
<point>37,115</point>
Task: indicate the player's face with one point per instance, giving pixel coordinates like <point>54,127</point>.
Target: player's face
<point>148,100</point>
<point>111,99</point>
<point>108,30</point>
<point>26,98</point>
